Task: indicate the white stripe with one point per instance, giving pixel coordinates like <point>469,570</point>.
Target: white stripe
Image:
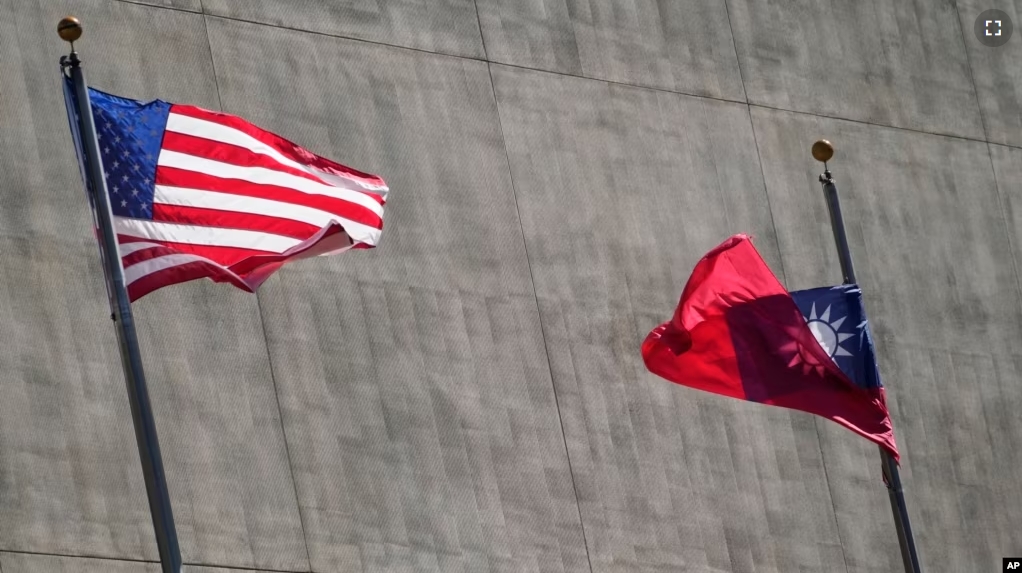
<point>195,235</point>
<point>183,197</point>
<point>155,265</point>
<point>317,247</point>
<point>213,131</point>
<point>128,248</point>
<point>264,176</point>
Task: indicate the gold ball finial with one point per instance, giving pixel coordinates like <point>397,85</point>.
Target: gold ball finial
<point>823,151</point>
<point>69,29</point>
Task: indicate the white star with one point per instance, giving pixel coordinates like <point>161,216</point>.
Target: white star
<point>116,189</point>
<point>117,139</point>
<point>124,203</point>
<point>106,150</point>
<point>826,333</point>
<point>125,178</point>
<point>117,164</point>
<point>135,167</point>
<point>134,192</point>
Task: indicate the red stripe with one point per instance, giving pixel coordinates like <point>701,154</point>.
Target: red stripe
<point>225,256</point>
<point>126,239</point>
<point>146,254</point>
<point>227,153</point>
<point>285,147</point>
<point>233,220</point>
<point>179,274</point>
<point>247,268</point>
<point>251,264</point>
<point>252,270</point>
<point>175,177</point>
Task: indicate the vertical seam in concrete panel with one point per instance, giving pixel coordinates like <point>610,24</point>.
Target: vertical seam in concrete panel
<point>535,294</point>
<point>283,432</point>
<point>1004,219</point>
<point>830,490</point>
<point>990,157</point>
<point>266,342</point>
<point>486,56</point>
<point>784,279</point>
<point>741,76</point>
<point>972,76</point>
<point>766,193</point>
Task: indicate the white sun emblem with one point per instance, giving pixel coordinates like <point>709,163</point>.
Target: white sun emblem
<point>828,334</point>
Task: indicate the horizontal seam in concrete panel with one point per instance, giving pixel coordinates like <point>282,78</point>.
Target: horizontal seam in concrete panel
<point>339,36</point>
<point>237,568</point>
<point>751,105</point>
<point>147,5</point>
<point>617,83</point>
<point>807,113</point>
<point>859,121</point>
<point>420,50</point>
<point>146,562</point>
<point>70,556</point>
<point>611,82</point>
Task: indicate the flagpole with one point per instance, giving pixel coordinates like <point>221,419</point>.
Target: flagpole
<point>70,29</point>
<point>823,151</point>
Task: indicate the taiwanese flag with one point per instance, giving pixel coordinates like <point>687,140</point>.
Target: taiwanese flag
<point>737,332</point>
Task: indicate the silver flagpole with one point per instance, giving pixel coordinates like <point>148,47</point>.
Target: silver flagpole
<point>823,151</point>
<point>70,29</point>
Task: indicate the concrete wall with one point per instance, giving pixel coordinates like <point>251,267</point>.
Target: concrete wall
<point>469,396</point>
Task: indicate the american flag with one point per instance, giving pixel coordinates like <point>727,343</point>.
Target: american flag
<point>202,194</point>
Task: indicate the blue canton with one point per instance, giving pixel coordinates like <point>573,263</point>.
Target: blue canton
<point>838,318</point>
<point>130,135</point>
